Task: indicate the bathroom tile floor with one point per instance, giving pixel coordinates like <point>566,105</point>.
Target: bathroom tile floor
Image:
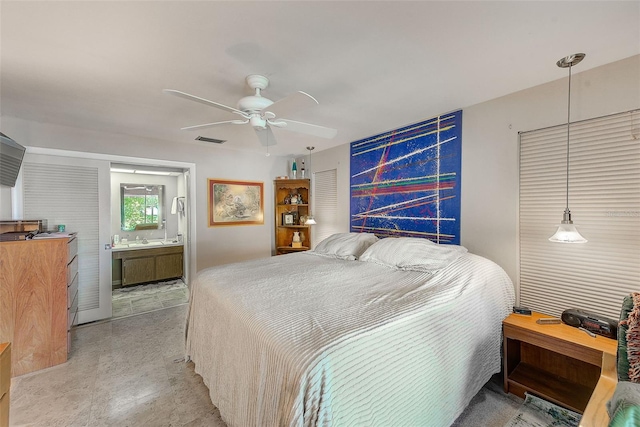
<point>139,299</point>
<point>123,372</point>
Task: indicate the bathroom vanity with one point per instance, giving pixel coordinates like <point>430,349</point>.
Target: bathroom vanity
<point>136,263</point>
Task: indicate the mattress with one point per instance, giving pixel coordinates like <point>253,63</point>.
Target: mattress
<point>307,340</point>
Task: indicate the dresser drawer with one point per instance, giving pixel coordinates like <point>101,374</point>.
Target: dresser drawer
<point>72,270</point>
<point>5,382</point>
<point>72,291</point>
<point>4,410</point>
<point>5,368</point>
<point>72,312</point>
<point>72,248</point>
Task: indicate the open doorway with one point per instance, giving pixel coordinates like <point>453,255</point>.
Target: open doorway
<point>48,199</point>
<point>149,229</point>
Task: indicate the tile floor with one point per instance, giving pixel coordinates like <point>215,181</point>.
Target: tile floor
<point>130,372</point>
<point>120,373</point>
<point>139,299</point>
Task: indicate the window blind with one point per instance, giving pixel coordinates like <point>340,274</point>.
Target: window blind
<point>604,199</point>
<point>69,195</point>
<point>325,204</point>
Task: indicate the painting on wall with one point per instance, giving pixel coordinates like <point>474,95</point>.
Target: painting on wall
<point>406,182</point>
<point>235,202</point>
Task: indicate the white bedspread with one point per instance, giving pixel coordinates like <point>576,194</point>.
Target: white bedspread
<point>302,339</point>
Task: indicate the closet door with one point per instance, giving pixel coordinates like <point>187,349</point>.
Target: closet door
<point>75,192</point>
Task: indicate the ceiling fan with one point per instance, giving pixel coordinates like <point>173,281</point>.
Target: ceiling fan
<point>262,113</point>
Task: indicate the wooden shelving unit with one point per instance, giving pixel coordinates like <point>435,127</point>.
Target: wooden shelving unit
<point>284,189</point>
<point>558,363</point>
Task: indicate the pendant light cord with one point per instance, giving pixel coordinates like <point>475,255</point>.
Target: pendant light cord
<point>568,125</point>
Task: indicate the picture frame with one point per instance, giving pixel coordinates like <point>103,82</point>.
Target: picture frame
<point>234,202</point>
<point>288,218</point>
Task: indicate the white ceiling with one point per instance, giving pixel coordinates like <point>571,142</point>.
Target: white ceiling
<point>373,66</point>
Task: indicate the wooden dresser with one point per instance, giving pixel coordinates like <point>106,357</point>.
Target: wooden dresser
<point>5,382</point>
<point>38,301</point>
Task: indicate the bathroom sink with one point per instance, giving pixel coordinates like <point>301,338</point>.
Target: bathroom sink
<point>140,244</point>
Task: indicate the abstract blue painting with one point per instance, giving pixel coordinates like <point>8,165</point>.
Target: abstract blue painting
<point>406,182</point>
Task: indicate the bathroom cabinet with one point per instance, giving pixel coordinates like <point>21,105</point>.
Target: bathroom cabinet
<point>148,265</point>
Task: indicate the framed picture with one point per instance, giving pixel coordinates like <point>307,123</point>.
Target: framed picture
<point>235,202</point>
<point>288,218</point>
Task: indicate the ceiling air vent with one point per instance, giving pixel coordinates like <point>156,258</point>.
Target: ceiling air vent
<point>212,140</point>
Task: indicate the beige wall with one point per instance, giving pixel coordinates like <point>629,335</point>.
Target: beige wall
<point>490,150</point>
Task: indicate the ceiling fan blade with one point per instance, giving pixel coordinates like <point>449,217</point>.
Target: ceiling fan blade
<point>203,101</point>
<point>266,136</point>
<point>208,125</point>
<point>307,128</point>
<point>292,103</point>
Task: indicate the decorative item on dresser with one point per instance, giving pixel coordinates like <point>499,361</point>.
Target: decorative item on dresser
<point>291,202</point>
<point>38,300</point>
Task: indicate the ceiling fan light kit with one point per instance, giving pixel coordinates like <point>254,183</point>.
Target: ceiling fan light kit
<point>262,113</point>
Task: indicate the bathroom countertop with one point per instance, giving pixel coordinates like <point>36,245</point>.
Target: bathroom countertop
<point>152,243</point>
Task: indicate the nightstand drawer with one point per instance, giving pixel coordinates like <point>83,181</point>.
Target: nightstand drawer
<point>557,345</point>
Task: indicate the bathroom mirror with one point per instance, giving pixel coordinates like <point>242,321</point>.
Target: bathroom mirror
<point>141,206</point>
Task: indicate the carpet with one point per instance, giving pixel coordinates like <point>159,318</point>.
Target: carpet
<point>536,412</point>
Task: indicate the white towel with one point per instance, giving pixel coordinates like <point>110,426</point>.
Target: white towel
<point>174,206</point>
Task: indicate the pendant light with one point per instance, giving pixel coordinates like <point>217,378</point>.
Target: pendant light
<point>310,219</point>
<point>567,232</point>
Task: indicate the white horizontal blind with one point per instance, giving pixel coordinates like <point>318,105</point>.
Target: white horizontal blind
<point>604,199</point>
<point>69,195</point>
<point>326,204</point>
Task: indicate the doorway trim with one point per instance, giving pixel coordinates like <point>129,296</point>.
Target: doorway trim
<point>18,201</point>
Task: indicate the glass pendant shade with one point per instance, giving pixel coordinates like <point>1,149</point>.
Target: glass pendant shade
<point>310,220</point>
<point>567,232</point>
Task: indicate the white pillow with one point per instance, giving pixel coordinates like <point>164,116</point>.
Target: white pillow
<point>345,245</point>
<point>410,253</point>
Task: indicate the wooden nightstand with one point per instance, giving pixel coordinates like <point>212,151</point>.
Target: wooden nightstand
<point>559,363</point>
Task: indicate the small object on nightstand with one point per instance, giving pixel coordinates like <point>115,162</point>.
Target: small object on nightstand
<point>522,310</point>
<point>588,332</point>
<point>548,321</point>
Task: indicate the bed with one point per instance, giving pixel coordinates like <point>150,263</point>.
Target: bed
<point>357,332</point>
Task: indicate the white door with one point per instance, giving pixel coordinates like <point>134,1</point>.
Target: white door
<point>184,225</point>
<point>75,192</point>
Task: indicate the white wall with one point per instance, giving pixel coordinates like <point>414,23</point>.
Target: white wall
<point>215,245</point>
<point>490,150</point>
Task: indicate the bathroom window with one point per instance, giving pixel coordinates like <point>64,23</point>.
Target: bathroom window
<point>141,206</point>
